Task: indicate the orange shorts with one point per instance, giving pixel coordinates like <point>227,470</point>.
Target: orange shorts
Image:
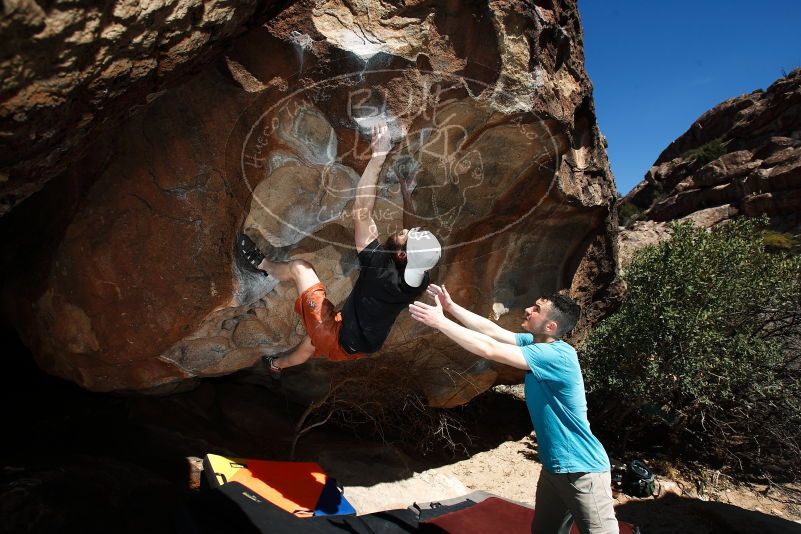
<point>322,324</point>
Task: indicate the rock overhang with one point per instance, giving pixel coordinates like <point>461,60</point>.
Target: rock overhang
<point>143,290</point>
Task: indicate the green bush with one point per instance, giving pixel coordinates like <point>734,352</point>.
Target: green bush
<point>628,213</point>
<point>704,355</point>
<point>707,152</point>
<point>780,241</point>
<point>656,193</point>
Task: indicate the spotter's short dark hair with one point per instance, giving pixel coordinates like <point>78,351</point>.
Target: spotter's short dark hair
<point>564,311</point>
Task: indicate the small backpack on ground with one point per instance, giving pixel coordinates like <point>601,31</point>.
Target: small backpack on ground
<point>638,480</point>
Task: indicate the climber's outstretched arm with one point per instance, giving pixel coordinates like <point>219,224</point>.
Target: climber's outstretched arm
<point>365,227</point>
<point>410,218</point>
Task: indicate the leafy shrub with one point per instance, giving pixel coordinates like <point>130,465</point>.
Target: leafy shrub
<point>704,355</point>
<point>655,193</point>
<point>707,152</point>
<point>628,213</point>
<point>779,241</point>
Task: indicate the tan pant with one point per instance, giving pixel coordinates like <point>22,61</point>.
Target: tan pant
<point>587,496</point>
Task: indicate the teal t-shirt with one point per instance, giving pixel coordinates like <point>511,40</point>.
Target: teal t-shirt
<point>558,408</point>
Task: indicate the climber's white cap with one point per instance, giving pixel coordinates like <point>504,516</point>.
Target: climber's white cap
<point>422,254</point>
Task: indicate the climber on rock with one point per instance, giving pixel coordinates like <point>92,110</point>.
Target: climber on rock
<point>390,278</point>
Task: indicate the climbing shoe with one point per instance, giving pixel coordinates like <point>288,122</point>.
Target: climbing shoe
<point>250,253</point>
<point>274,370</point>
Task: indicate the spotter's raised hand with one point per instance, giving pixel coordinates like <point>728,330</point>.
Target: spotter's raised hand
<point>445,299</point>
<point>427,314</point>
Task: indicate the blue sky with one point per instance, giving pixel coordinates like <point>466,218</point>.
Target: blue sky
<point>657,66</point>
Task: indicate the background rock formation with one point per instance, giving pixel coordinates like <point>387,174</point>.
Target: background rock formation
<point>740,157</point>
<point>121,273</point>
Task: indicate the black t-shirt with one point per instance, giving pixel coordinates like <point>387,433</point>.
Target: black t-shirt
<point>379,295</point>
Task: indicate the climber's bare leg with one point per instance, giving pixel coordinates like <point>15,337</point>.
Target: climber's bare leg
<point>302,273</point>
<point>303,352</point>
<point>299,271</point>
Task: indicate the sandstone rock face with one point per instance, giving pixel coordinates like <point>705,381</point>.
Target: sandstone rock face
<point>138,287</point>
<point>644,233</point>
<point>71,70</point>
<point>640,234</point>
<point>743,157</point>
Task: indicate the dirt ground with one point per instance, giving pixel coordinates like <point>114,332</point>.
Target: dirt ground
<point>700,503</point>
<point>511,471</point>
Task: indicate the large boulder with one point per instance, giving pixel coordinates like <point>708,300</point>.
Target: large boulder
<point>122,273</point>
